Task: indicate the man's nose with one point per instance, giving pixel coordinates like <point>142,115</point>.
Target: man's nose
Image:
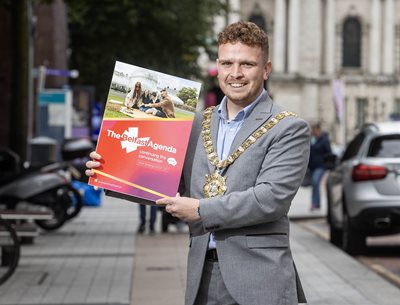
<point>236,71</point>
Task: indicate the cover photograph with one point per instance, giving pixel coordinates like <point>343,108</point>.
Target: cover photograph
<point>144,133</point>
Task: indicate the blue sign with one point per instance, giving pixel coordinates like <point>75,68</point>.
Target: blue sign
<point>47,97</point>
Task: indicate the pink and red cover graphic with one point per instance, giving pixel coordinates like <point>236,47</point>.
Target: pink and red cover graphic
<point>142,158</point>
<point>144,133</point>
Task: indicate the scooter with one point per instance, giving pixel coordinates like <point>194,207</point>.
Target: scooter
<point>47,187</point>
<point>29,188</point>
<point>75,153</point>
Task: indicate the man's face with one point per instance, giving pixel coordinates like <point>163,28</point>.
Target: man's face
<point>316,132</point>
<point>241,72</point>
<point>163,93</point>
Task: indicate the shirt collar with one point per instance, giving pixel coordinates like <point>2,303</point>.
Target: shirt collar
<point>242,114</point>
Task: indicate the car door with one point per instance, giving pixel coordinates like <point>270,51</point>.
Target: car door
<point>338,179</point>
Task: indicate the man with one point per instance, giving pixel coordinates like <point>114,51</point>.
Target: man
<point>166,105</point>
<point>245,162</point>
<point>319,152</point>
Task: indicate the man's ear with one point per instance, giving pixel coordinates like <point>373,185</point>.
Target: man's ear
<point>267,69</point>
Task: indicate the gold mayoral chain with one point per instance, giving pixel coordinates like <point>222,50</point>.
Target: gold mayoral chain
<point>215,184</point>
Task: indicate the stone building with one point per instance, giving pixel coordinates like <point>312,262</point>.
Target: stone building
<point>334,61</point>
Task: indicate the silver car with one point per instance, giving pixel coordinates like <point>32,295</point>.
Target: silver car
<point>363,190</point>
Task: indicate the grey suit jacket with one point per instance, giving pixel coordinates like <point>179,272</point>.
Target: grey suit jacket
<point>250,220</point>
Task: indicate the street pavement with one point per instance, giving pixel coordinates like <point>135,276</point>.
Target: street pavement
<point>88,261</point>
<point>99,259</point>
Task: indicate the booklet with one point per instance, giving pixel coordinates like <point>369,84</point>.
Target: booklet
<point>144,133</point>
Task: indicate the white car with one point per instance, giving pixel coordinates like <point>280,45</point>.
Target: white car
<point>363,190</point>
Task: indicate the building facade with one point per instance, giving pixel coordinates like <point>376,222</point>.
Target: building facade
<point>334,61</point>
<point>33,34</point>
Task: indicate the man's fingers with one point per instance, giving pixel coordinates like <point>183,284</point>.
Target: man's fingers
<point>89,172</point>
<point>94,155</point>
<point>92,164</point>
<point>163,201</point>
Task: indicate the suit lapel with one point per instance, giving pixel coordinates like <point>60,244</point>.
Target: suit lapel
<point>260,114</point>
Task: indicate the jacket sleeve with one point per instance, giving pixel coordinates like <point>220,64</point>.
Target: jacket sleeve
<point>160,104</point>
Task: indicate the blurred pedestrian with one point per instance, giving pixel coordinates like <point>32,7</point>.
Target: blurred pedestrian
<point>320,150</point>
<point>213,96</point>
<point>152,219</point>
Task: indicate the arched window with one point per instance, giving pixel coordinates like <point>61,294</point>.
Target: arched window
<point>257,17</point>
<point>351,43</point>
<point>259,20</point>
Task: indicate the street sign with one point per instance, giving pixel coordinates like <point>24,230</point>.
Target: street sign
<point>65,73</point>
<point>54,114</point>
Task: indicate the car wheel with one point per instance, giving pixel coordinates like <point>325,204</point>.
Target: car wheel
<point>336,236</point>
<point>354,242</point>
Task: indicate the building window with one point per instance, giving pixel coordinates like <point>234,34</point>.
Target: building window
<point>397,106</point>
<point>258,18</point>
<point>362,112</point>
<point>395,115</point>
<point>351,43</point>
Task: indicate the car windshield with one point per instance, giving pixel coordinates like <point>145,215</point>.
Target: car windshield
<point>385,147</point>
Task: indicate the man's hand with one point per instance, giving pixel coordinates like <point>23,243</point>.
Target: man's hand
<point>184,208</point>
<point>93,163</point>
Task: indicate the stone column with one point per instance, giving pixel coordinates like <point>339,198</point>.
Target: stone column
<point>278,62</point>
<point>388,38</point>
<point>293,36</point>
<point>330,37</point>
<point>375,38</point>
<point>234,15</point>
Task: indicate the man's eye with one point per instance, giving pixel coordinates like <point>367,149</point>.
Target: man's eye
<point>226,64</point>
<point>247,65</point>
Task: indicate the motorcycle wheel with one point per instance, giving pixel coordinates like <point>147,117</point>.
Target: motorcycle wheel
<point>59,205</point>
<point>9,250</point>
<point>75,202</point>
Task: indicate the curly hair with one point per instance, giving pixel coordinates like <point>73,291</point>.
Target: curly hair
<point>247,33</point>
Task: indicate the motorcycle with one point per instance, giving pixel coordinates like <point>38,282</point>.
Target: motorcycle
<point>47,187</point>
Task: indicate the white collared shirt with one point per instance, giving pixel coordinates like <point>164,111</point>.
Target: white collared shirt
<point>227,131</point>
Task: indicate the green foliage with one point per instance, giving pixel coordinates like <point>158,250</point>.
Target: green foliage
<point>162,35</point>
<point>191,102</point>
<point>186,94</point>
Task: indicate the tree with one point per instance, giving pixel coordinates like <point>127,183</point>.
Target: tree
<point>187,93</point>
<point>162,35</point>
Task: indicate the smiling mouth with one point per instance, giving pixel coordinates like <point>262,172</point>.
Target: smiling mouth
<point>236,85</point>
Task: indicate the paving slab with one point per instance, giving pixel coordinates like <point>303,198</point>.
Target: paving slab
<point>329,276</point>
<point>87,261</point>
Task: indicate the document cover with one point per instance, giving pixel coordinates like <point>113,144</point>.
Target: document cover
<point>144,133</point>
